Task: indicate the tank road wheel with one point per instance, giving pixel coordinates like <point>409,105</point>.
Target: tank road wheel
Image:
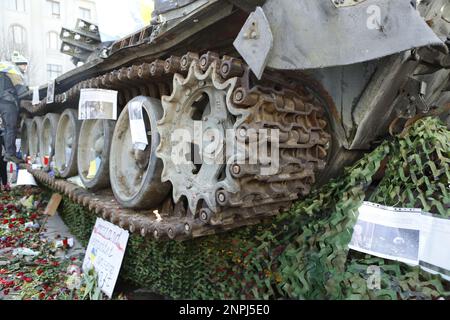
<point>48,136</point>
<point>94,146</point>
<point>66,147</point>
<point>25,134</point>
<point>35,134</point>
<point>136,175</point>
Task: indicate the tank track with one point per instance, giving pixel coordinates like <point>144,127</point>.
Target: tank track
<point>246,197</point>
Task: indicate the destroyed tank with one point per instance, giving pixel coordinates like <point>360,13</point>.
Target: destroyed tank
<point>315,84</point>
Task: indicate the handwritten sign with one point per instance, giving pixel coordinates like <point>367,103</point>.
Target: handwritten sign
<point>105,253</point>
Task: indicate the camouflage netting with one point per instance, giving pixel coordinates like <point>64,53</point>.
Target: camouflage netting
<point>303,254</point>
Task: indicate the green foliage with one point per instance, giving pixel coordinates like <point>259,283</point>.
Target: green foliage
<point>303,254</point>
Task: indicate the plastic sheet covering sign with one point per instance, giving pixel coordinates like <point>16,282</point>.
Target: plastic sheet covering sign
<point>137,126</point>
<point>105,253</point>
<point>97,104</point>
<point>406,235</point>
<point>132,14</point>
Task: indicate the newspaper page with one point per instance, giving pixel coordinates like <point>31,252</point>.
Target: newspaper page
<point>97,104</point>
<point>406,235</point>
<point>137,125</point>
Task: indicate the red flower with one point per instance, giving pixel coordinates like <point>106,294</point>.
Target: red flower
<point>33,216</point>
<point>3,271</point>
<point>39,272</point>
<point>17,288</point>
<point>27,279</point>
<point>73,259</point>
<point>22,221</point>
<point>5,221</point>
<point>55,263</point>
<point>41,296</point>
<point>20,274</point>
<point>10,226</point>
<point>6,292</point>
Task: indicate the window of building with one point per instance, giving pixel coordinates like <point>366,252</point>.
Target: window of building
<point>53,40</point>
<point>17,5</point>
<point>85,13</point>
<point>18,34</point>
<point>53,71</point>
<point>54,8</point>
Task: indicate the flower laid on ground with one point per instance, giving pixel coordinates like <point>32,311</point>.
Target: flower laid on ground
<point>30,269</point>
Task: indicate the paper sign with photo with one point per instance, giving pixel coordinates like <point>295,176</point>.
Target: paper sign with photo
<point>36,98</point>
<point>406,235</point>
<point>97,104</point>
<point>137,125</point>
<point>51,92</point>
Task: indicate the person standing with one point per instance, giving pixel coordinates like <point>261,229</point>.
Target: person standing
<point>12,85</point>
<point>3,163</point>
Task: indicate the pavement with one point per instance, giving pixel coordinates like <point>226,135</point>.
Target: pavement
<point>56,229</point>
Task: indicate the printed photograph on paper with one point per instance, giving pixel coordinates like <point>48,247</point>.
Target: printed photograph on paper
<point>135,112</point>
<point>51,92</point>
<point>97,104</point>
<point>398,243</point>
<point>97,110</point>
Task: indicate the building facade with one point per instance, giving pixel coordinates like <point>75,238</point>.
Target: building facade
<point>32,27</point>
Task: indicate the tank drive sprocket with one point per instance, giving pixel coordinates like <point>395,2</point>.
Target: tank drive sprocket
<point>198,105</point>
<point>222,185</point>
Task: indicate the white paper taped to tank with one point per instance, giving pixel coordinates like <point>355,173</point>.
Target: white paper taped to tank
<point>36,99</point>
<point>118,18</point>
<point>51,92</point>
<point>97,104</point>
<point>137,125</point>
<point>406,235</point>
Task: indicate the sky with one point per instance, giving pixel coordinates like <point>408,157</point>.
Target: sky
<point>123,17</point>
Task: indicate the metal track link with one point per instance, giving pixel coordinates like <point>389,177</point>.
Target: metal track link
<point>298,116</point>
<point>145,223</point>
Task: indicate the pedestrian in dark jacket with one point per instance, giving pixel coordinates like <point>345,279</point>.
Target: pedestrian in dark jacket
<point>3,165</point>
<point>11,87</point>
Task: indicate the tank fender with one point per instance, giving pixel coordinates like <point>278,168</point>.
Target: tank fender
<point>317,34</point>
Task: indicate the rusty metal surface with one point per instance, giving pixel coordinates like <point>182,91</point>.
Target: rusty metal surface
<point>245,196</point>
<point>368,30</point>
<point>214,191</point>
<point>145,223</point>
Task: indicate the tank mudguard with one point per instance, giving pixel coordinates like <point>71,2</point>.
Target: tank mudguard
<point>316,34</point>
<point>162,6</point>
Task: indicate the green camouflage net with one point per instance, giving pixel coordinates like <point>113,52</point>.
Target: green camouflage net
<point>304,253</point>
